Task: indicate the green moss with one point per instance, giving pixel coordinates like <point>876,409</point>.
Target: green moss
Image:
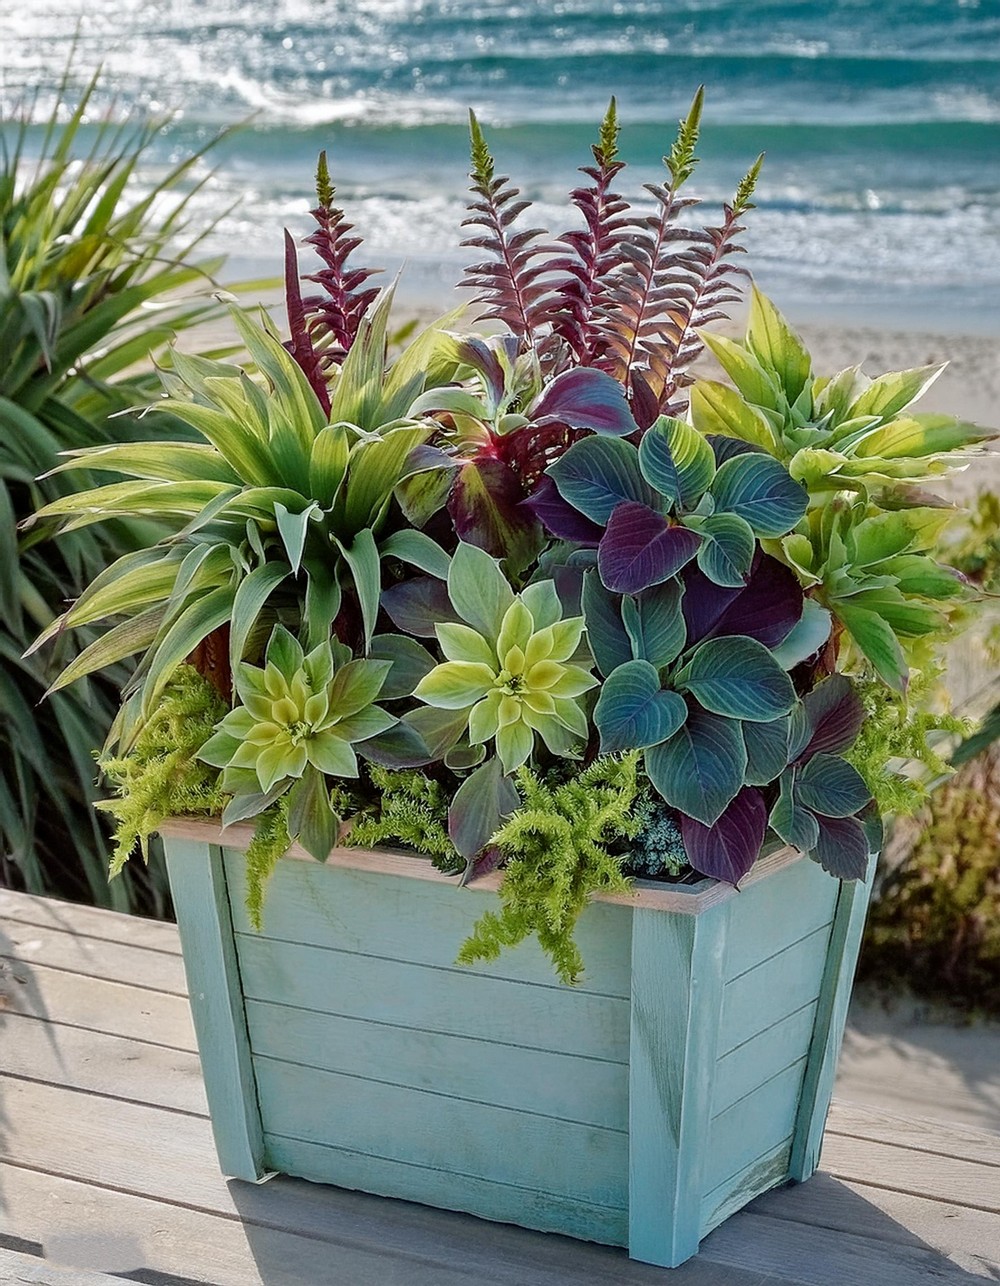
<point>559,850</point>
<point>160,776</point>
<point>935,925</point>
<point>411,809</point>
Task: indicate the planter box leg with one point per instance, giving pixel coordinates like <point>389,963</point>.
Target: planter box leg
<point>198,886</point>
<point>831,1016</point>
<point>677,980</point>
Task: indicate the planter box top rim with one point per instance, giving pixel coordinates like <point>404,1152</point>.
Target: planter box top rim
<point>689,899</point>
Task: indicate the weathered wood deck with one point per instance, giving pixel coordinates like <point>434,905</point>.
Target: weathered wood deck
<point>107,1164</point>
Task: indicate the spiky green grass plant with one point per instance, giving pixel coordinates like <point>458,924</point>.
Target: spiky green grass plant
<point>81,257</point>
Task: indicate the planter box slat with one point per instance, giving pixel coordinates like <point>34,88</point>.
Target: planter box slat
<point>505,1203</point>
<point>420,917</point>
<point>753,1126</point>
<point>381,1119</point>
<point>778,915</point>
<point>590,1090</point>
<point>689,1073</point>
<point>733,1194</point>
<point>771,991</point>
<point>443,999</point>
<point>761,1057</point>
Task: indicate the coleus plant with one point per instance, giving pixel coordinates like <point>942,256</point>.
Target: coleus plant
<point>510,558</point>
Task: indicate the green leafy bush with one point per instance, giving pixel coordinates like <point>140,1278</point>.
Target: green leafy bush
<point>935,924</point>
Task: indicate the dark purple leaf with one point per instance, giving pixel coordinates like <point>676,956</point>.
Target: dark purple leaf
<point>835,715</point>
<point>487,507</point>
<point>481,803</point>
<point>401,746</point>
<point>415,605</point>
<point>725,448</point>
<point>727,850</point>
<point>642,548</point>
<point>842,848</point>
<point>559,517</point>
<point>586,398</point>
<point>766,608</point>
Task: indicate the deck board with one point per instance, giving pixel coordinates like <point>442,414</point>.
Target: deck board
<point>107,1164</point>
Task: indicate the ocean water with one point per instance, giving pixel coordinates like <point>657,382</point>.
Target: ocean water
<point>879,202</point>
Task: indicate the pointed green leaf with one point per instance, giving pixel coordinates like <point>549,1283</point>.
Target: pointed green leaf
<point>737,677</point>
<point>776,346</point>
<point>676,460</point>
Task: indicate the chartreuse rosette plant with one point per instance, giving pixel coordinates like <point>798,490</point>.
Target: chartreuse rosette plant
<point>866,547</point>
<point>507,599</point>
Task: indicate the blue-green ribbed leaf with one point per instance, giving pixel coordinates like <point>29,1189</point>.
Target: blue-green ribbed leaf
<point>596,474</point>
<point>831,786</point>
<point>737,677</point>
<point>633,712</point>
<point>758,489</point>
<point>702,767</point>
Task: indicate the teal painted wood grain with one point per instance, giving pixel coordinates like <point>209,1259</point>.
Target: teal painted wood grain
<point>772,990</point>
<point>197,885</point>
<point>753,1126</point>
<point>506,1203</point>
<point>386,1120</point>
<point>552,1017</point>
<point>732,1194</point>
<point>762,1056</point>
<point>677,973</point>
<point>838,977</point>
<point>777,912</point>
<point>418,920</point>
<point>588,1090</point>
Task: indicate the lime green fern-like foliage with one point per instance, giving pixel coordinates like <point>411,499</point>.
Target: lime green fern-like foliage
<point>161,776</point>
<point>270,842</point>
<point>896,732</point>
<point>559,851</point>
<point>412,809</point>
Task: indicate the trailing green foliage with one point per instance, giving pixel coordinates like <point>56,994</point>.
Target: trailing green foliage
<point>162,776</point>
<point>558,852</point>
<point>934,926</point>
<point>96,276</point>
<point>412,809</point>
<point>896,733</point>
<point>270,842</point>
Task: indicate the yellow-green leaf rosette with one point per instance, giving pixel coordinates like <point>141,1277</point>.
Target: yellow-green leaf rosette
<point>511,665</point>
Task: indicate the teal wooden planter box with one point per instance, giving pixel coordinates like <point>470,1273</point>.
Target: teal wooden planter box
<point>687,1074</point>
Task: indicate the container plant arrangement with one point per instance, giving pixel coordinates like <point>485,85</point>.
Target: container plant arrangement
<point>567,628</point>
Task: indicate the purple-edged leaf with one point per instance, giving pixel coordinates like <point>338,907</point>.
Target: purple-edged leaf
<point>586,398</point>
<point>842,847</point>
<point>477,353</point>
<point>728,849</point>
<point>642,548</point>
<point>759,489</point>
<point>835,714</point>
<point>605,632</point>
<point>486,506</point>
<point>702,767</point>
<point>416,606</point>
<point>410,663</point>
<point>400,746</point>
<point>831,787</point>
<point>725,448</point>
<point>766,608</point>
<point>310,818</point>
<point>481,803</point>
<point>559,517</point>
<point>596,474</point>
<point>633,712</point>
<point>737,677</point>
<point>439,730</point>
<point>793,823</point>
<point>767,751</point>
